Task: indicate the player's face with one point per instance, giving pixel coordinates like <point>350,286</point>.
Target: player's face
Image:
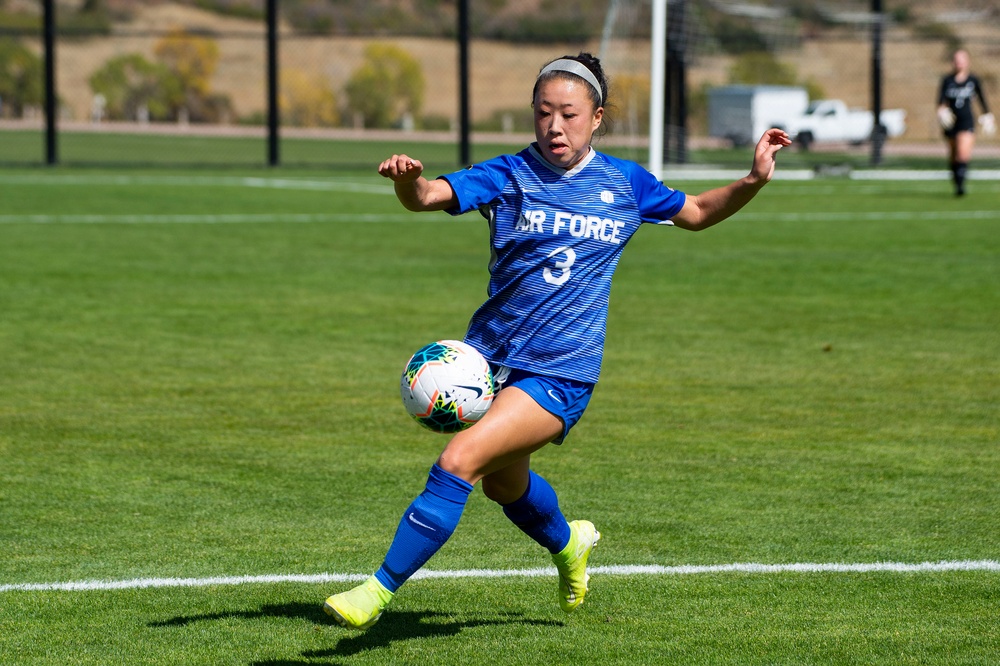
<point>565,120</point>
<point>960,61</point>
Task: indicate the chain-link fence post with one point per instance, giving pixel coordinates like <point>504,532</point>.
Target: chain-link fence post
<point>51,97</point>
<point>273,111</point>
<point>878,135</point>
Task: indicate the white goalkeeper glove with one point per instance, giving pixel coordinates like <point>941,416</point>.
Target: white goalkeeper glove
<point>945,118</point>
<point>988,123</point>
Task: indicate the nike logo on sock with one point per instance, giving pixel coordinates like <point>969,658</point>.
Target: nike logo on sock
<point>413,520</point>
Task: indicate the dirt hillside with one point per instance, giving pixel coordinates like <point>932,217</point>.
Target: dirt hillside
<point>500,71</point>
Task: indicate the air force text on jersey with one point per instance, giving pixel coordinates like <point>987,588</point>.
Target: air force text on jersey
<point>576,225</point>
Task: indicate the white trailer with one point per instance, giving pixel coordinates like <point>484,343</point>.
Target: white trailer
<point>742,113</point>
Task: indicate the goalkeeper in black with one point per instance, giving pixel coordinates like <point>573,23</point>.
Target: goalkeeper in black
<point>956,117</point>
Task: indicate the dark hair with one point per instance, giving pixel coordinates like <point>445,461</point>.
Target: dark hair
<point>590,62</point>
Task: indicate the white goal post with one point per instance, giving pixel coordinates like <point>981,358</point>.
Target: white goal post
<point>657,75</point>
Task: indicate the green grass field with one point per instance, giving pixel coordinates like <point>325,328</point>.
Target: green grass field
<point>198,379</point>
<point>23,148</point>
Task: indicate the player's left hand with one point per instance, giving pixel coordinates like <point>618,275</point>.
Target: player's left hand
<point>988,123</point>
<point>770,143</point>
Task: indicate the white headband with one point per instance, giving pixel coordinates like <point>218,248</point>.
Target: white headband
<point>574,67</point>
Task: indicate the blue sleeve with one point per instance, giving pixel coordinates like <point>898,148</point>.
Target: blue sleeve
<point>657,203</point>
<point>479,184</point>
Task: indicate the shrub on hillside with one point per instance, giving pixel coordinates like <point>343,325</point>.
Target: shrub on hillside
<point>20,79</point>
<point>131,85</point>
<point>192,59</point>
<point>307,100</point>
<point>176,86</point>
<point>631,103</point>
<point>387,87</point>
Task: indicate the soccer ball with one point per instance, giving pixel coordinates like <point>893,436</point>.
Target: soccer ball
<point>447,386</point>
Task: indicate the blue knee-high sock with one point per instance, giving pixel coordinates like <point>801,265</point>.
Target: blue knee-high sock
<point>537,514</point>
<point>424,528</point>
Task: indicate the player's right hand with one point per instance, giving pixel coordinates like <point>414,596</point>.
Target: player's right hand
<point>988,123</point>
<point>401,168</point>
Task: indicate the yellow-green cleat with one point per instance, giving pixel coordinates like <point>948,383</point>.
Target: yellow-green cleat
<point>571,562</point>
<point>360,607</point>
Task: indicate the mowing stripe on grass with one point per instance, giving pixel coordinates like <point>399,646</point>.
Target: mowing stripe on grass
<point>403,216</point>
<point>376,185</point>
<point>609,570</point>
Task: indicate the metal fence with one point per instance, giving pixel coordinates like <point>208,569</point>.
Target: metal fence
<point>178,84</point>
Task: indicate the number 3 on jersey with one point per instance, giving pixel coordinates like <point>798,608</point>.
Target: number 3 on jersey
<point>560,270</point>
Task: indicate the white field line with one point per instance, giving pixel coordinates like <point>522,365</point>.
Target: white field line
<point>919,174</point>
<point>224,218</point>
<point>610,570</point>
<point>695,172</point>
<point>373,185</point>
<point>873,216</point>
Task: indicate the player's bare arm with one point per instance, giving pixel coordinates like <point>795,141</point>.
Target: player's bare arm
<point>709,208</point>
<point>415,192</point>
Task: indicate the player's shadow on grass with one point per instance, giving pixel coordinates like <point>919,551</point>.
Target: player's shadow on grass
<point>306,611</point>
<point>407,625</point>
<point>394,627</point>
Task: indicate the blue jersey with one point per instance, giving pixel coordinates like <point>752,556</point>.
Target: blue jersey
<point>556,238</point>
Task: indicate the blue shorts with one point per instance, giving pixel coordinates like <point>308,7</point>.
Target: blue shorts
<point>565,398</point>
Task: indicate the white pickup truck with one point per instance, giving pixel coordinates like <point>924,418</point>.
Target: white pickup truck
<point>831,120</point>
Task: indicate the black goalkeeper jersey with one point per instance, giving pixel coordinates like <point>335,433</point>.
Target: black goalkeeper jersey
<point>958,97</point>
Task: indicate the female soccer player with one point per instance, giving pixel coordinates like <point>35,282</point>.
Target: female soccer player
<point>560,214</point>
<point>955,115</point>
